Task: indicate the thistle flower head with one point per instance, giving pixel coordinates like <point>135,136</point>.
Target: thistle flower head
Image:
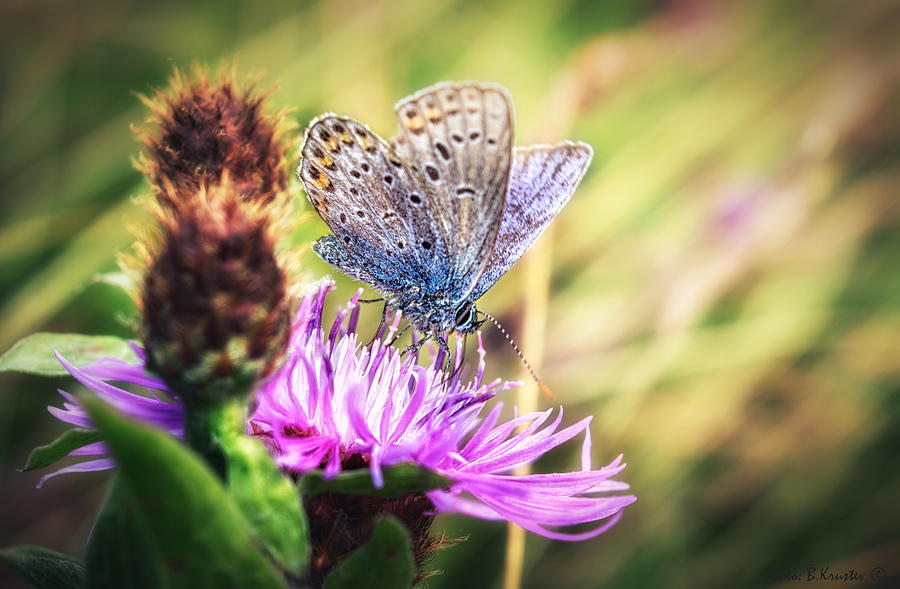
<point>214,308</point>
<point>201,130</point>
<point>336,405</point>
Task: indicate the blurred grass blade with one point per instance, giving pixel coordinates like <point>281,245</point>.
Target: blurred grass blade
<point>49,289</point>
<point>117,279</point>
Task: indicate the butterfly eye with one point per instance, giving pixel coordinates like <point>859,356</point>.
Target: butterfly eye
<point>465,314</point>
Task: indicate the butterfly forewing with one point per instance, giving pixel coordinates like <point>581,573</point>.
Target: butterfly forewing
<point>378,212</point>
<point>543,178</point>
<point>457,141</point>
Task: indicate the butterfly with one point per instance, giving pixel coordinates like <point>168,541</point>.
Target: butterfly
<point>435,216</point>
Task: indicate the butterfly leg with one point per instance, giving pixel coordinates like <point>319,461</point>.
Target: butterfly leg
<point>381,324</point>
<point>415,346</point>
<point>442,344</point>
<point>400,333</point>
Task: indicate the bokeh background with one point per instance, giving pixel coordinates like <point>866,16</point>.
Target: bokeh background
<point>722,293</point>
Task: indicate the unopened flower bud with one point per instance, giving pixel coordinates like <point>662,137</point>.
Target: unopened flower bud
<point>202,129</point>
<point>214,307</point>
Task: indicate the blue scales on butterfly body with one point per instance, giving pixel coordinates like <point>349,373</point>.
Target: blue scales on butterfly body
<point>434,217</point>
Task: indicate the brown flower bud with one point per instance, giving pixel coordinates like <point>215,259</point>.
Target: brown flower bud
<point>202,129</point>
<point>215,313</point>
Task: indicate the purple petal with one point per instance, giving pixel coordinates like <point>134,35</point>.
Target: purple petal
<point>89,466</point>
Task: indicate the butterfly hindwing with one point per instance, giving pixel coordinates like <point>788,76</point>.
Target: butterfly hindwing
<point>543,178</point>
<point>457,140</point>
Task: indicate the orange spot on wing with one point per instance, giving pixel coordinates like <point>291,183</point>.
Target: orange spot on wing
<point>432,114</point>
<point>415,123</point>
<point>322,181</point>
<point>331,144</point>
<point>366,142</point>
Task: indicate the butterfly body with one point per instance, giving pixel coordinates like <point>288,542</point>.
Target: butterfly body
<point>430,309</point>
<point>435,216</point>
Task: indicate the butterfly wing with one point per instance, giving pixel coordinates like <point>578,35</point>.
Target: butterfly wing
<point>374,206</point>
<point>542,180</point>
<point>457,140</point>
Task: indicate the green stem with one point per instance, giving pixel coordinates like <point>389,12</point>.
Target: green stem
<point>203,426</point>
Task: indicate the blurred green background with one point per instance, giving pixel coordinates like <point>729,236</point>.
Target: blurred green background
<point>722,293</point>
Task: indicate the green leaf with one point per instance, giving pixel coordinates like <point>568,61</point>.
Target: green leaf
<point>194,525</point>
<point>399,480</point>
<point>71,440</point>
<point>34,353</point>
<point>45,568</point>
<point>119,547</point>
<point>384,562</point>
<point>268,499</point>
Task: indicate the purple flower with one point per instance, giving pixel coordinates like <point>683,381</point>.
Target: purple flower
<point>151,410</point>
<point>336,403</point>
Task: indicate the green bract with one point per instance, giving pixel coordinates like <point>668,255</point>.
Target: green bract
<point>399,480</point>
<point>70,440</point>
<point>267,498</point>
<point>384,562</point>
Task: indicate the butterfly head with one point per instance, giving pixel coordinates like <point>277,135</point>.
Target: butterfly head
<point>467,317</point>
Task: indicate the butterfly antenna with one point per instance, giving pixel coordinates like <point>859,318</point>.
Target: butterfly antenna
<point>544,388</point>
